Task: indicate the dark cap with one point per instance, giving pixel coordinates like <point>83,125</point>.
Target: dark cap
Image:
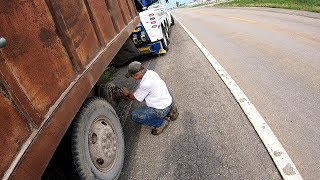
<point>133,68</point>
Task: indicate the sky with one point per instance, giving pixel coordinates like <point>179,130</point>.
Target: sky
<point>172,3</point>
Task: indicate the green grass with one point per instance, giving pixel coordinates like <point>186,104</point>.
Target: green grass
<point>305,5</point>
<point>200,4</point>
<point>107,74</point>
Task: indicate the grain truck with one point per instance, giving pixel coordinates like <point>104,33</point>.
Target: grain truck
<point>52,55</point>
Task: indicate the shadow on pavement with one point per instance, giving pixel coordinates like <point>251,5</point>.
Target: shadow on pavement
<point>190,158</point>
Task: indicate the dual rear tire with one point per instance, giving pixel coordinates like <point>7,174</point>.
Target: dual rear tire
<point>172,20</point>
<point>165,41</point>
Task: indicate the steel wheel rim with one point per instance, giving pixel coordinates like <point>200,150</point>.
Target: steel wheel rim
<point>102,142</point>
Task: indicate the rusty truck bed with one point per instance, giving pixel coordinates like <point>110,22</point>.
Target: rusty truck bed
<point>57,50</point>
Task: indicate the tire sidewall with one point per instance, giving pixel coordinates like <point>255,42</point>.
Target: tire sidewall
<point>164,41</point>
<point>172,21</point>
<point>97,107</point>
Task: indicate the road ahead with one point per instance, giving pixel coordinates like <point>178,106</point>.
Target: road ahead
<point>211,139</point>
<point>274,56</point>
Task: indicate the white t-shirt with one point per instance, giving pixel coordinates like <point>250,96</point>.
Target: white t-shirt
<point>153,90</point>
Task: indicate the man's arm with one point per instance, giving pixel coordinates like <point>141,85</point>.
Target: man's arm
<point>127,93</point>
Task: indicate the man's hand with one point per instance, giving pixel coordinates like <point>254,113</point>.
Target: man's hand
<point>125,91</point>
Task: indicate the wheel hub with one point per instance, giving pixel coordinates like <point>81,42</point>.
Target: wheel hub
<point>102,144</point>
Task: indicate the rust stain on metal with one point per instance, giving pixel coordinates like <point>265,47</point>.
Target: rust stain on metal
<point>129,8</point>
<point>79,29</point>
<point>13,130</point>
<point>102,20</point>
<point>124,11</point>
<point>19,97</point>
<point>42,83</point>
<point>47,37</point>
<point>116,15</point>
<point>132,8</point>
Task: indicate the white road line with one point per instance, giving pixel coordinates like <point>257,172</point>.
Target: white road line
<point>279,155</point>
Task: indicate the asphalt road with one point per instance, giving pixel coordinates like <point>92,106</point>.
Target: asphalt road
<point>211,139</point>
<point>274,56</point>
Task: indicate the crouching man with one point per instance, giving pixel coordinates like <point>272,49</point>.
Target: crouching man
<point>152,89</point>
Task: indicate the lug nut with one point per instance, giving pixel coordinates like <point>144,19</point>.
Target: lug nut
<point>100,161</point>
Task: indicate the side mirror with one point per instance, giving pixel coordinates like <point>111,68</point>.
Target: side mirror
<point>3,42</point>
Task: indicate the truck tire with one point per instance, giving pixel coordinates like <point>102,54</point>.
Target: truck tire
<point>97,141</point>
<point>164,40</point>
<point>168,29</point>
<point>167,35</point>
<point>172,21</point>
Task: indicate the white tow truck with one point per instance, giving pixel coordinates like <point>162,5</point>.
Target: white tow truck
<point>151,36</point>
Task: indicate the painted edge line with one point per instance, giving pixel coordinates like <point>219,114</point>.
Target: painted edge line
<point>279,155</point>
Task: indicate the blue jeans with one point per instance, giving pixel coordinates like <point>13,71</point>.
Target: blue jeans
<point>150,116</point>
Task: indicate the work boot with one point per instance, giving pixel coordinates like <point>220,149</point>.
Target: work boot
<point>159,130</point>
<point>173,114</point>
